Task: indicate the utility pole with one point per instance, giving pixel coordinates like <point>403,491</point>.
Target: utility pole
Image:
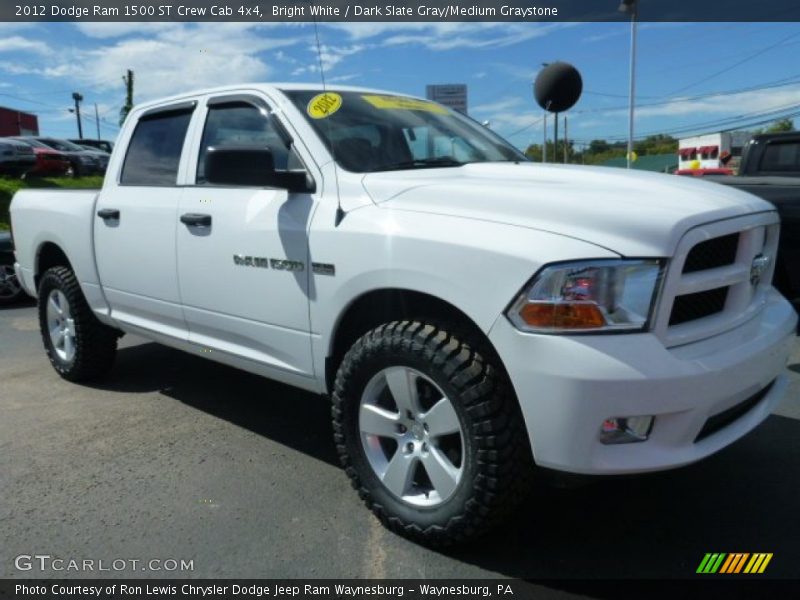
<point>544,140</point>
<point>78,99</point>
<point>566,141</point>
<point>126,108</point>
<point>97,120</point>
<point>544,128</point>
<point>630,7</point>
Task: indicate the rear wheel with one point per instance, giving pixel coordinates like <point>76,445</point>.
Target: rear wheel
<point>429,431</point>
<point>10,289</point>
<point>79,347</point>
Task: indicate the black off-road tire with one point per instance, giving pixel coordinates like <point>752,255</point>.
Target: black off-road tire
<point>498,466</point>
<point>95,343</point>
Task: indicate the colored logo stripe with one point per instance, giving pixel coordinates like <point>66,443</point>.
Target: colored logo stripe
<point>758,563</point>
<point>711,563</point>
<point>721,562</point>
<point>734,563</point>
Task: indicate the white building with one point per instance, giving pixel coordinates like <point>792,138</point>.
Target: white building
<point>710,151</point>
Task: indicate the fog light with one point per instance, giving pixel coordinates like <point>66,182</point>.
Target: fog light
<point>626,430</point>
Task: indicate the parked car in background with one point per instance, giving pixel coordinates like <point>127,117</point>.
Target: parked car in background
<point>16,159</point>
<point>84,162</point>
<point>103,145</point>
<point>770,168</point>
<point>704,172</point>
<point>49,162</point>
<point>101,156</point>
<point>10,289</point>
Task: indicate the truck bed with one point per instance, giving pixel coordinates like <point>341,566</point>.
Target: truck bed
<point>58,216</point>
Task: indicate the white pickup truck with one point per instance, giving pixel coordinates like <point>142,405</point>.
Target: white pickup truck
<point>470,314</point>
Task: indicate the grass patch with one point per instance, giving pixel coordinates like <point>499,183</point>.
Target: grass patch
<point>8,187</point>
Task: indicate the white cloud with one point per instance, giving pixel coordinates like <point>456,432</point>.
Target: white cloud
<point>167,58</point>
<point>343,78</point>
<point>20,44</point>
<point>503,105</point>
<point>330,56</point>
<point>447,36</point>
<point>114,30</point>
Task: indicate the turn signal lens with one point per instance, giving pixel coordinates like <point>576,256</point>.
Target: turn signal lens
<point>562,316</point>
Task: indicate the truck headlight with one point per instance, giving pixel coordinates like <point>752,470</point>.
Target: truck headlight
<point>589,296</point>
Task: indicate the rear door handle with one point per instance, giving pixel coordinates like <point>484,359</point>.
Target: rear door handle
<point>108,213</point>
<point>196,220</point>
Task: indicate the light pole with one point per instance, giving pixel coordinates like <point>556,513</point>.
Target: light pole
<point>544,129</point>
<point>630,7</point>
<point>78,99</point>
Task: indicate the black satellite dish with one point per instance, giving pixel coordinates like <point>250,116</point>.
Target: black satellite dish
<point>558,87</point>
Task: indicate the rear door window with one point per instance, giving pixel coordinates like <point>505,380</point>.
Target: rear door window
<point>154,151</point>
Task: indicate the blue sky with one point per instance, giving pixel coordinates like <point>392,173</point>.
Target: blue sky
<point>679,65</point>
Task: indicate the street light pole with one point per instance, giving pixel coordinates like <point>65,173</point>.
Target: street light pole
<point>78,99</point>
<point>630,7</point>
<point>544,138</point>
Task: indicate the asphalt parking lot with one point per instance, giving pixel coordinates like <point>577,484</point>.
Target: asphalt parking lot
<point>177,457</point>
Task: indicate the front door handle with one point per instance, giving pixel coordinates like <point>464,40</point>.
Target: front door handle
<point>108,213</point>
<point>196,219</point>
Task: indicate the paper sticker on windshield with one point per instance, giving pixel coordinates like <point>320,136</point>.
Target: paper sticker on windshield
<point>403,103</point>
<point>324,105</point>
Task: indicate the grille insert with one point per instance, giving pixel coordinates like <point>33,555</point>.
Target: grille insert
<point>713,253</point>
<point>691,307</point>
<point>716,422</point>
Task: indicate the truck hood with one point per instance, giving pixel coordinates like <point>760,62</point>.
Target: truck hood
<point>632,213</point>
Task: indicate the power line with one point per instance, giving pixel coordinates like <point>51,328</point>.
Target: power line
<point>737,64</point>
<point>525,128</point>
<point>28,101</point>
<point>786,81</point>
<point>722,125</point>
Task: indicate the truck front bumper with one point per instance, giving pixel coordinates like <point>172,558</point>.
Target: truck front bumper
<point>568,386</point>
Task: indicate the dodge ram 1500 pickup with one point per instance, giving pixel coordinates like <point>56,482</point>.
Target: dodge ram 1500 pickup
<point>471,315</point>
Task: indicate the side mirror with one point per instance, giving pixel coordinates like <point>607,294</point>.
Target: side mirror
<point>251,166</point>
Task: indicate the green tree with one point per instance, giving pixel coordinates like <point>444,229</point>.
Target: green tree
<point>534,152</point>
<point>781,126</point>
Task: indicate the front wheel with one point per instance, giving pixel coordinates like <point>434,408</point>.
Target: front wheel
<point>429,432</point>
<point>79,347</point>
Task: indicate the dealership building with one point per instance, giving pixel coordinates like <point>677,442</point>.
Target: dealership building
<point>711,151</point>
<point>16,122</point>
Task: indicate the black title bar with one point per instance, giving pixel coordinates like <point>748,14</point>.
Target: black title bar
<point>399,10</point>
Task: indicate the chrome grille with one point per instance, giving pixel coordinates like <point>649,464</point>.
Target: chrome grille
<point>708,288</point>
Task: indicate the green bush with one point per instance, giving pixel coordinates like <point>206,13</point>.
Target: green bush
<point>8,187</point>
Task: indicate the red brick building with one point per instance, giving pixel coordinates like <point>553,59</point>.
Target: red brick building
<point>15,122</point>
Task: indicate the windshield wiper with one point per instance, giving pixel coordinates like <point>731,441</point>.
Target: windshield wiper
<point>422,163</point>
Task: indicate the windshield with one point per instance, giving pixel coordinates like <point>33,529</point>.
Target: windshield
<point>63,145</point>
<point>33,143</point>
<point>376,132</point>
